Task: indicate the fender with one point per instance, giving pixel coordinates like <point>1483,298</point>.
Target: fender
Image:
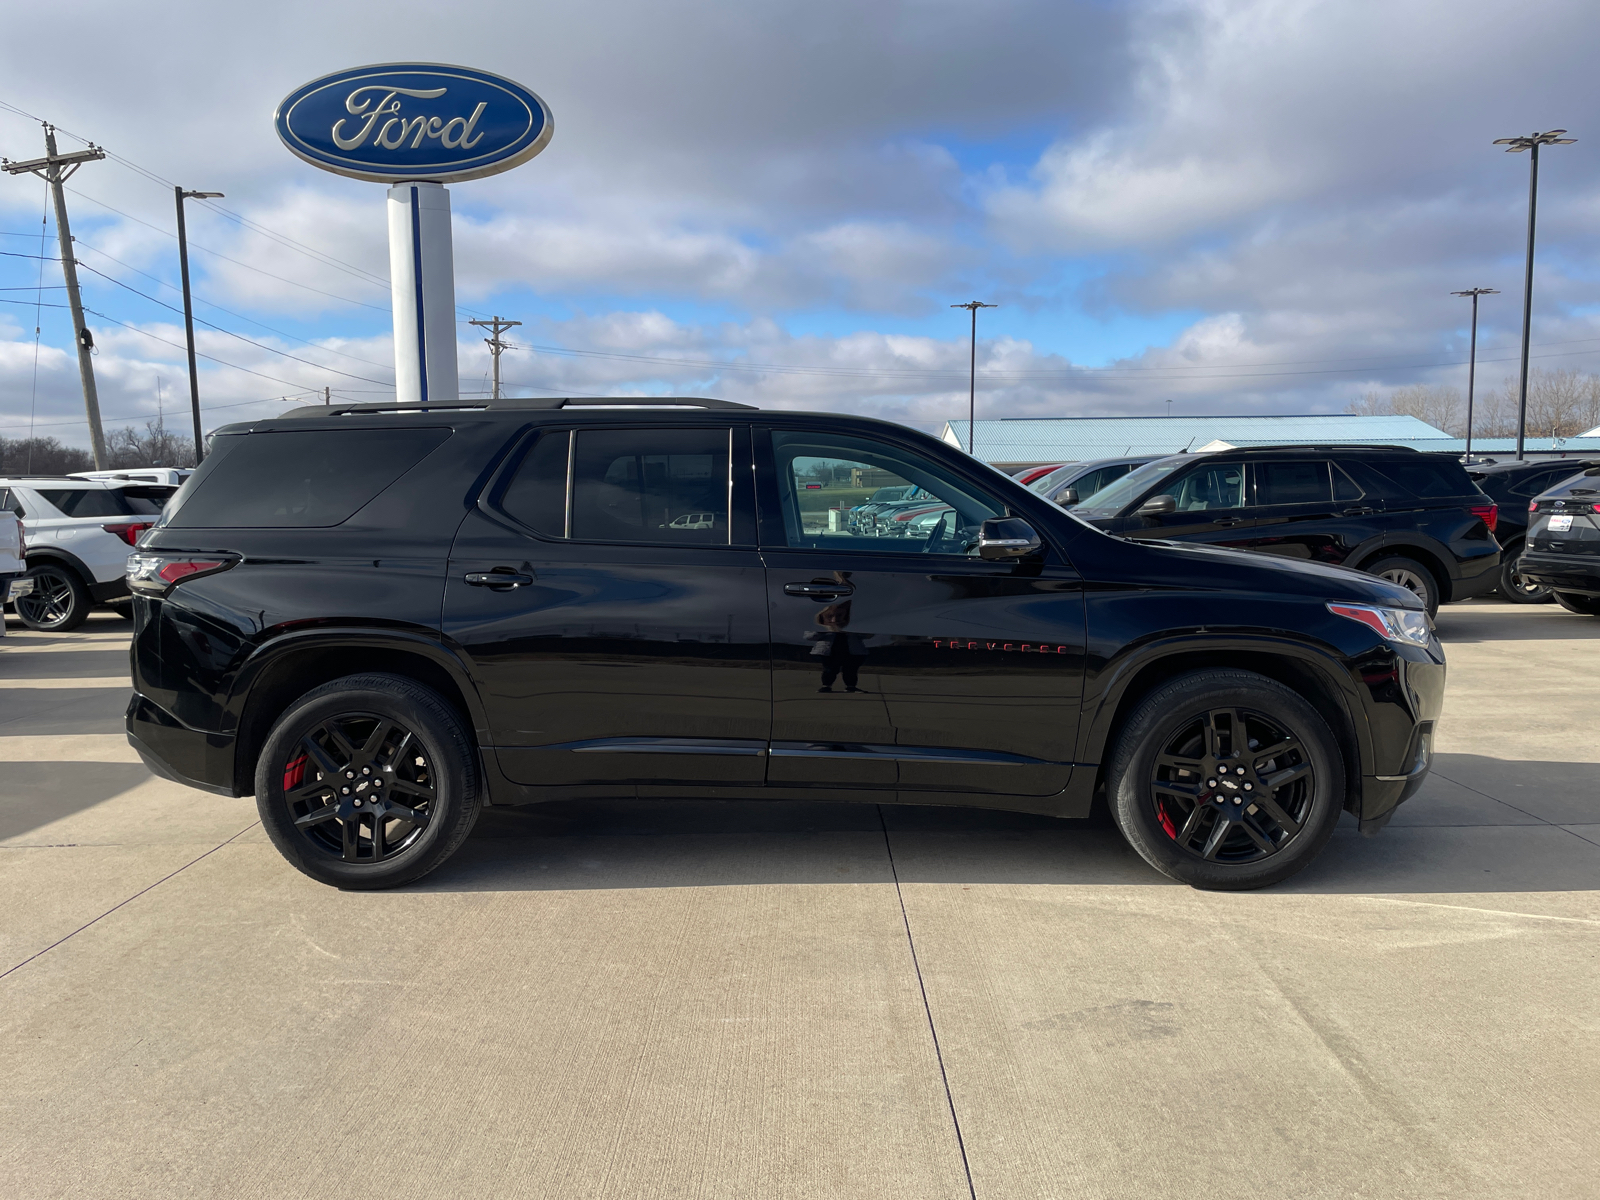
<point>1113,679</point>
<point>66,558</point>
<point>423,642</point>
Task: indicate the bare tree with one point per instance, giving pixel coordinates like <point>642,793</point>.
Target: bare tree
<point>41,456</point>
<point>1440,406</point>
<point>1560,404</point>
<point>156,447</point>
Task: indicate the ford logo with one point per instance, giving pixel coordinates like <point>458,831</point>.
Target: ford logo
<point>402,122</point>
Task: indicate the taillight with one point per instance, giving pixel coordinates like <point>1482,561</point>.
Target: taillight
<point>157,574</point>
<point>1533,506</point>
<point>128,533</point>
<point>1489,512</point>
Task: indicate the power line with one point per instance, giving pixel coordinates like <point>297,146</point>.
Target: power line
<point>209,358</point>
<point>229,332</point>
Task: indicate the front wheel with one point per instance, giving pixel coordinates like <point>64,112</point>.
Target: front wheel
<point>1515,588</point>
<point>1226,780</point>
<point>1576,602</point>
<point>368,782</point>
<point>58,603</point>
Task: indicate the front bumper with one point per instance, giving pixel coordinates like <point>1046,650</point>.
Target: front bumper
<point>174,751</point>
<point>1564,572</point>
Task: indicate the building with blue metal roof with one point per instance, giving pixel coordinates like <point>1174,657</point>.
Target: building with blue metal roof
<point>1026,440</point>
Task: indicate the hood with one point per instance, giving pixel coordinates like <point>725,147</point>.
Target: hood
<point>1234,570</point>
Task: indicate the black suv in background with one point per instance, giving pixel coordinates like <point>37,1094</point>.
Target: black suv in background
<point>1512,486</point>
<point>379,619</point>
<point>1563,551</point>
<point>1414,519</point>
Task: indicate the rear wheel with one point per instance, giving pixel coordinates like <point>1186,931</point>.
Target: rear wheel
<point>1516,589</point>
<point>1576,602</point>
<point>1411,575</point>
<point>59,601</point>
<point>368,782</point>
<point>1226,780</point>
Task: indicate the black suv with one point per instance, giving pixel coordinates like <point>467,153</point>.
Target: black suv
<point>378,619</point>
<point>1563,552</point>
<point>1512,486</point>
<point>1414,519</point>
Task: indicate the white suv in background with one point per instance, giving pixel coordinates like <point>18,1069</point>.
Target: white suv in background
<point>79,533</point>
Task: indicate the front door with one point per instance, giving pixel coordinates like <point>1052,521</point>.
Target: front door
<point>609,595</point>
<point>1211,507</point>
<point>902,661</point>
<point>1307,509</point>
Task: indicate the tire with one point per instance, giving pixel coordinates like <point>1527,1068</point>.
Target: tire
<point>1411,575</point>
<point>123,609</point>
<point>1576,602</point>
<point>426,767</point>
<point>59,601</point>
<point>1517,590</point>
<point>1185,821</point>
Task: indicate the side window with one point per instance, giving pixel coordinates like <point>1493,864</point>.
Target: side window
<point>1292,483</point>
<point>536,494</point>
<point>1538,482</point>
<point>669,486</point>
<point>845,493</point>
<point>1209,487</point>
<point>1345,488</point>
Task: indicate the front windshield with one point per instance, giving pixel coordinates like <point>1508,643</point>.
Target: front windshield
<point>1116,496</point>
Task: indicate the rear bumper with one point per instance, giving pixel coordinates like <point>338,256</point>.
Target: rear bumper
<point>1484,577</point>
<point>1565,572</point>
<point>174,751</point>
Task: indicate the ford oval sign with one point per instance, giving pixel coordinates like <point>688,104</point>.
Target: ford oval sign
<point>413,121</point>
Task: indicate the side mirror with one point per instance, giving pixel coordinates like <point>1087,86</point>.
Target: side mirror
<point>1157,506</point>
<point>1067,497</point>
<point>1006,537</point>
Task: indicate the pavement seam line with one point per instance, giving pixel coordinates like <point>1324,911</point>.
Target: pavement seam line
<point>128,901</point>
<point>1514,808</point>
<point>1493,912</point>
<point>927,1009</point>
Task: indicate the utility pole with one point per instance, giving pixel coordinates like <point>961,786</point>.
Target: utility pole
<point>50,169</point>
<point>972,374</point>
<point>1472,357</point>
<point>498,327</point>
<point>1516,145</point>
<point>188,314</point>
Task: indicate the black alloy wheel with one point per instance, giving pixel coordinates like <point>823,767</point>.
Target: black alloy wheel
<point>1226,779</point>
<point>368,782</point>
<point>1232,786</point>
<point>1517,590</point>
<point>58,603</point>
<point>1576,602</point>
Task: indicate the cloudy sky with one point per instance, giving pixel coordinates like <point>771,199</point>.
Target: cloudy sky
<point>1204,206</point>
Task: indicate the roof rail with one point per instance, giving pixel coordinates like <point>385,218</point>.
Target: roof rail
<point>524,403</point>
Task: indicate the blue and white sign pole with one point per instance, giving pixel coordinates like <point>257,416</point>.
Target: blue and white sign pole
<point>417,126</point>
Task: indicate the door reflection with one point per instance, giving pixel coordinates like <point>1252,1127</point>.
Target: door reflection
<point>842,652</point>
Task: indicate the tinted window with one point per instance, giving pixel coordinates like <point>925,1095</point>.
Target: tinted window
<point>1538,481</point>
<point>1091,483</point>
<point>302,479</point>
<point>1138,482</point>
<point>938,514</point>
<point>1210,487</point>
<point>1345,488</point>
<point>1429,478</point>
<point>1293,483</point>
<point>90,502</point>
<point>537,493</point>
<point>651,485</point>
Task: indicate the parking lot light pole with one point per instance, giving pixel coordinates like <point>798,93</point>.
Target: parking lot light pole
<point>972,374</point>
<point>1472,357</point>
<point>1516,145</point>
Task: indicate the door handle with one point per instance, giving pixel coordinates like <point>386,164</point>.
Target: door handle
<point>1228,521</point>
<point>818,591</point>
<point>1359,512</point>
<point>499,580</point>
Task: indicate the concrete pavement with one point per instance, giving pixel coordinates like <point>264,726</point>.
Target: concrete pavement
<point>711,1000</point>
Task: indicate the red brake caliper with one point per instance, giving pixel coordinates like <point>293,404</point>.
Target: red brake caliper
<point>294,773</point>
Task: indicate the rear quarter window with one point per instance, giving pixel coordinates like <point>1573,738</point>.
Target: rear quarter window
<point>301,479</point>
<point>1429,478</point>
<point>88,502</point>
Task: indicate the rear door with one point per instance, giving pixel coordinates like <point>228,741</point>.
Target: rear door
<point>907,663</point>
<point>1306,508</point>
<point>609,594</point>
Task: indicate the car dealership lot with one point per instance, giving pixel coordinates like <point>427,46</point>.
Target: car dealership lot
<point>697,999</point>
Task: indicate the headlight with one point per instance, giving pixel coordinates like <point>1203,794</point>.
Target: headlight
<point>1407,625</point>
